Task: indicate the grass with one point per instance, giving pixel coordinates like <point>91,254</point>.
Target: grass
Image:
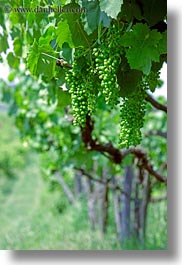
<point>31,223</point>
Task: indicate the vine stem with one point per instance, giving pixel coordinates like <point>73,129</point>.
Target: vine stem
<point>49,56</point>
<point>117,155</point>
<point>155,103</point>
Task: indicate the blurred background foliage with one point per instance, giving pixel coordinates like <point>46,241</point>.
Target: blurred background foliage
<point>64,195</point>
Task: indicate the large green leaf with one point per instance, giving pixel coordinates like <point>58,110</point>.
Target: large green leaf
<point>154,10</point>
<point>70,29</point>
<point>38,63</point>
<point>128,82</point>
<point>64,34</point>
<point>45,66</point>
<point>79,36</point>
<point>67,52</point>
<point>130,10</point>
<point>143,47</point>
<point>94,16</point>
<point>33,57</point>
<point>111,7</point>
<point>64,98</point>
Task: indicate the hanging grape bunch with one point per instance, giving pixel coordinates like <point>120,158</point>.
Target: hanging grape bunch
<point>81,90</point>
<point>152,80</point>
<point>132,118</point>
<point>106,67</point>
<point>78,95</point>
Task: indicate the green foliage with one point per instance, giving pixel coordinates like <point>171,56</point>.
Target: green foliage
<point>158,240</point>
<point>117,49</point>
<point>94,16</point>
<point>128,81</point>
<point>38,63</point>
<point>13,61</point>
<point>3,43</point>
<point>116,36</point>
<point>64,34</point>
<point>71,30</point>
<point>111,7</point>
<point>17,46</point>
<point>119,42</point>
<point>12,155</point>
<point>154,11</point>
<point>41,227</point>
<point>141,36</point>
<point>131,10</point>
<point>157,148</point>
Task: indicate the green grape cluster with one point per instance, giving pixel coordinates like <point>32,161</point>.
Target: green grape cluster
<point>152,80</point>
<point>106,67</point>
<point>132,118</point>
<point>97,76</point>
<point>92,95</point>
<point>107,57</point>
<point>82,93</point>
<point>78,98</point>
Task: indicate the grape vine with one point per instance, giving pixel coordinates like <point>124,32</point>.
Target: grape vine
<point>95,73</point>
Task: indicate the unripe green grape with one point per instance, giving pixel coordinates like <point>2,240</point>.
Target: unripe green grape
<point>82,89</point>
<point>106,70</point>
<point>78,96</point>
<point>152,80</point>
<point>132,119</point>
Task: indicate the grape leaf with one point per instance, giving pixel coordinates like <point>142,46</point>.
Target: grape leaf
<point>143,47</point>
<point>46,67</point>
<point>32,58</point>
<point>104,19</point>
<point>79,36</point>
<point>16,18</point>
<point>111,7</point>
<point>64,98</point>
<point>71,30</point>
<point>94,16</point>
<point>154,10</point>
<point>17,43</point>
<point>67,52</point>
<point>38,63</point>
<point>131,10</point>
<point>3,43</point>
<point>128,81</point>
<point>13,61</point>
<point>2,20</point>
<point>163,43</point>
<point>64,34</point>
